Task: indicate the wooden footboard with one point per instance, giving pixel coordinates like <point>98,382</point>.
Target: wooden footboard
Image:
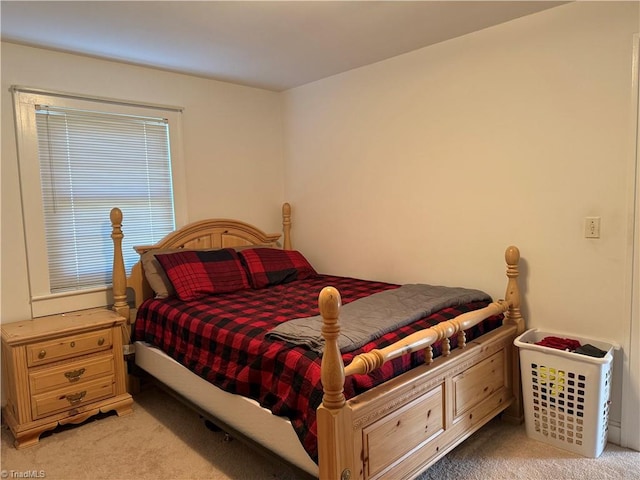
<point>401,427</point>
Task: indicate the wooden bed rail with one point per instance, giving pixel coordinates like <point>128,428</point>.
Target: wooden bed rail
<point>423,340</point>
<point>333,370</point>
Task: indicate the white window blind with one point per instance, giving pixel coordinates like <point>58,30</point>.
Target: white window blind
<point>90,162</point>
<point>79,157</point>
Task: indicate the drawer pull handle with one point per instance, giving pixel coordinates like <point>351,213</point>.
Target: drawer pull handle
<point>75,398</point>
<point>74,375</point>
<point>101,341</point>
<point>42,354</point>
<point>72,344</point>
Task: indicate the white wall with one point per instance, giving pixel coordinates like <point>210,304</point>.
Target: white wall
<point>426,166</point>
<point>232,142</point>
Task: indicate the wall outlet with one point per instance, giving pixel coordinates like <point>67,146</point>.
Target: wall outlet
<point>592,227</point>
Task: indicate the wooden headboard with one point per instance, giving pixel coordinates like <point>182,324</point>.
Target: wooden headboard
<point>205,234</point>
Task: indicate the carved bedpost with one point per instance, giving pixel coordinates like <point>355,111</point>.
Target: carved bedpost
<point>329,303</point>
<point>286,225</point>
<point>513,316</point>
<point>120,305</point>
<point>335,443</point>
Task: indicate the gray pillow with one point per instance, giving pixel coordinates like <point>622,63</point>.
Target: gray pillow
<point>155,274</point>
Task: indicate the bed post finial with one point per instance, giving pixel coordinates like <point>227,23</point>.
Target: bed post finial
<point>513,316</point>
<point>332,373</point>
<point>286,225</point>
<point>119,280</point>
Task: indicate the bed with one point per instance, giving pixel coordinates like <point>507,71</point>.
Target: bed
<point>403,400</point>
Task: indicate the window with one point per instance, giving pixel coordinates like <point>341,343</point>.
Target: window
<point>78,159</point>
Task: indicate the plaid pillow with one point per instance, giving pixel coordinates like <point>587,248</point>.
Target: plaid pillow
<point>195,274</point>
<point>271,266</point>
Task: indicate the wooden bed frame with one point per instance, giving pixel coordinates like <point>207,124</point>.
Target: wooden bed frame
<point>400,428</point>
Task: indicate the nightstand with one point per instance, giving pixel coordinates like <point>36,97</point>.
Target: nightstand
<point>62,369</point>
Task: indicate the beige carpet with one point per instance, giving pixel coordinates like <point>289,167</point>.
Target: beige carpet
<point>164,440</point>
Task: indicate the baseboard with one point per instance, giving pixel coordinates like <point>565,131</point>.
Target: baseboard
<point>615,434</point>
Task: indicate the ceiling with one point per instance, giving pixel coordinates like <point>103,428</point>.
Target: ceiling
<point>265,44</point>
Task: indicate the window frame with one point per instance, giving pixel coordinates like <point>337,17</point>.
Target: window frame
<point>43,302</point>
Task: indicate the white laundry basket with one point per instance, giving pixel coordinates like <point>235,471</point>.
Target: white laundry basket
<point>565,394</point>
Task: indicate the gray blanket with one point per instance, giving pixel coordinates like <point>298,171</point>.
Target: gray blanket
<point>366,319</point>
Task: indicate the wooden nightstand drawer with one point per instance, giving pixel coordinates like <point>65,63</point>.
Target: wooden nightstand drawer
<point>71,398</point>
<point>71,373</point>
<point>72,346</point>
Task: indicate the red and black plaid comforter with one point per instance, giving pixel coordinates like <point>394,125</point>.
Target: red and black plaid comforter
<point>222,339</point>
